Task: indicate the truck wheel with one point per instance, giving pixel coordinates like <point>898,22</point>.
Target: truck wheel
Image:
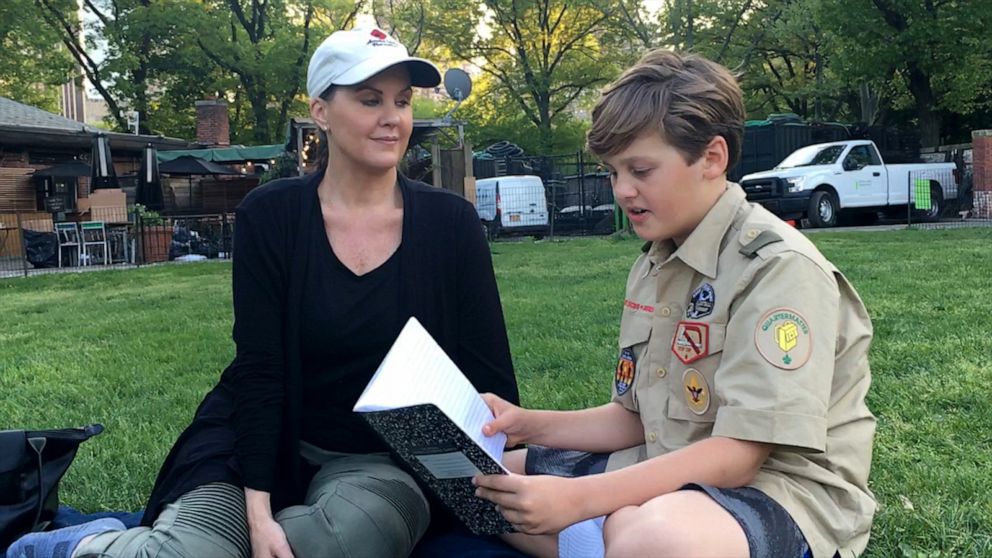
<point>936,205</point>
<point>822,212</point>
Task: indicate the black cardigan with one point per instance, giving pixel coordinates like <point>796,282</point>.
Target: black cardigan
<point>448,285</point>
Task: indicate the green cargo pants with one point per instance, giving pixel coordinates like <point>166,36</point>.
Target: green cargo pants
<point>356,506</point>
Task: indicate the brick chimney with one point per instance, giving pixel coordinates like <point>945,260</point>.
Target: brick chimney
<point>981,143</point>
<point>213,128</point>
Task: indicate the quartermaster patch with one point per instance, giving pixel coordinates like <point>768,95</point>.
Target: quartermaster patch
<point>624,377</point>
<point>696,391</point>
<point>691,341</point>
<point>701,303</point>
<point>783,338</point>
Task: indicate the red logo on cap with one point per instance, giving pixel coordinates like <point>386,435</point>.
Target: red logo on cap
<point>378,34</point>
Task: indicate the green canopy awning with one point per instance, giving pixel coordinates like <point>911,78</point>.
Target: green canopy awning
<point>236,154</point>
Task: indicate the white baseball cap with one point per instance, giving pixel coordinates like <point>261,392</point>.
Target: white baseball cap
<point>350,57</point>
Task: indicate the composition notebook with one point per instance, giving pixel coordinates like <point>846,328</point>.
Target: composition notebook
<point>428,412</point>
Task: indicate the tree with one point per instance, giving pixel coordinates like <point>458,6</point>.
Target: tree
<point>33,65</point>
<point>789,67</point>
<point>542,55</point>
<point>62,18</point>
<point>162,56</point>
<point>494,116</point>
<point>932,48</point>
<point>266,47</point>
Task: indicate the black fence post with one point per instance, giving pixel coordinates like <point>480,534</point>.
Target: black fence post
<point>139,227</point>
<point>24,246</point>
<point>582,190</point>
<point>909,199</point>
<point>224,236</point>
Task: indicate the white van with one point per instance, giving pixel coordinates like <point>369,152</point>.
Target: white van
<point>512,205</point>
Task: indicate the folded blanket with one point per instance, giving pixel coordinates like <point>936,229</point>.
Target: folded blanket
<point>67,517</point>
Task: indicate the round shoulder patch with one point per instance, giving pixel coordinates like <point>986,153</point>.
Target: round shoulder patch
<point>696,391</point>
<point>783,338</point>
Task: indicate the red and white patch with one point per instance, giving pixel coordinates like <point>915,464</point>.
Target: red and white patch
<point>691,342</point>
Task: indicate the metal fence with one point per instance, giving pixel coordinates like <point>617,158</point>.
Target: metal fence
<point>576,200</point>
<point>185,238</point>
<point>579,200</point>
<point>39,242</point>
<point>941,198</point>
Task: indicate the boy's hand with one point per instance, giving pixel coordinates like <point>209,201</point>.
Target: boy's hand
<point>536,505</point>
<point>510,420</point>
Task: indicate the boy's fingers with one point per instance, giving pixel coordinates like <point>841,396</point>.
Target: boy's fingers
<point>502,483</point>
<point>495,426</point>
<point>506,502</point>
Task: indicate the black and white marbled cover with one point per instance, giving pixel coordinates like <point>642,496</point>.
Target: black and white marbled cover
<point>426,430</point>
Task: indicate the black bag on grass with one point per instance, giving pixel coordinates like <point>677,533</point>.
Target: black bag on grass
<point>32,462</point>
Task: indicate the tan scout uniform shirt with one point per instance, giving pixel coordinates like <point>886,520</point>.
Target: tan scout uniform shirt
<point>769,345</point>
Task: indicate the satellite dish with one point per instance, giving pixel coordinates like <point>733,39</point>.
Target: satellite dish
<point>457,84</point>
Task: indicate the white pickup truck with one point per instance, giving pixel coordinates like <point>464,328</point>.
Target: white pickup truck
<point>819,181</point>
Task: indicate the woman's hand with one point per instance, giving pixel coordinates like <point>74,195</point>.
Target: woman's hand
<point>268,540</point>
<point>536,505</point>
<point>509,419</point>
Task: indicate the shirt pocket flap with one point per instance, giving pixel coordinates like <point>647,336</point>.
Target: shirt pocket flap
<point>635,328</point>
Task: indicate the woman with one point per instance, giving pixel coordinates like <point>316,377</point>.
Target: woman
<point>327,269</point>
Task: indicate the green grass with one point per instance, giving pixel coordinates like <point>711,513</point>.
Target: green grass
<point>137,349</point>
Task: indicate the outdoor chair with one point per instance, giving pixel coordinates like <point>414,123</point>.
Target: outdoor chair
<point>68,237</point>
<point>121,244</point>
<point>95,235</point>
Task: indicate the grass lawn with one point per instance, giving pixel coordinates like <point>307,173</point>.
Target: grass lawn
<point>137,349</point>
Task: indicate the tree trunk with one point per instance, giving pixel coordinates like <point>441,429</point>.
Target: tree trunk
<point>926,106</point>
<point>140,76</point>
<point>544,128</point>
<point>930,123</point>
<point>261,114</point>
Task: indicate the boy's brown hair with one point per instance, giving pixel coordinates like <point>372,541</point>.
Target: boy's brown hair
<point>688,99</point>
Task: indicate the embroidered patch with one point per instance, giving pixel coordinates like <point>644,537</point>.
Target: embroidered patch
<point>696,391</point>
<point>638,307</point>
<point>701,303</point>
<point>691,341</point>
<point>624,377</point>
<point>783,338</point>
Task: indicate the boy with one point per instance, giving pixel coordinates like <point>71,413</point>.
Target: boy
<point>738,425</point>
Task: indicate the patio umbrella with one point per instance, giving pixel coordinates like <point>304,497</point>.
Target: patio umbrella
<point>149,190</point>
<point>103,165</point>
<point>73,168</point>
<point>189,166</point>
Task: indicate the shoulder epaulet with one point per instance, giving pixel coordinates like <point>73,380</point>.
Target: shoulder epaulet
<point>764,239</point>
<point>646,247</point>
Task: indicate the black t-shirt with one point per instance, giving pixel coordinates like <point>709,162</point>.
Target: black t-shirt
<point>348,323</point>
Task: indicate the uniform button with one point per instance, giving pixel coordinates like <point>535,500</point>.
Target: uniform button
<point>666,312</point>
<point>752,234</point>
<point>652,437</point>
<point>662,372</point>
